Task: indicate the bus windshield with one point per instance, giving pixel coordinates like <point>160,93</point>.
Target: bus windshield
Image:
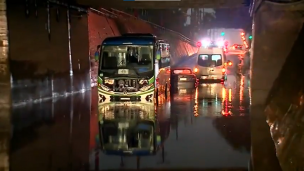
<point>207,60</point>
<point>138,57</point>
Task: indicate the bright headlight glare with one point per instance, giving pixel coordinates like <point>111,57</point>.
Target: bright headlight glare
<point>109,81</point>
<point>104,87</point>
<point>145,88</point>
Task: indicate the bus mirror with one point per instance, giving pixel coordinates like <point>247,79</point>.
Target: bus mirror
<point>96,55</point>
<point>158,140</point>
<point>158,56</point>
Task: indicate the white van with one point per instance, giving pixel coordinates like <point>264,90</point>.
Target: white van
<point>164,49</point>
<point>211,65</point>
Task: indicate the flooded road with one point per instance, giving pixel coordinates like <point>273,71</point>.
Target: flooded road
<point>209,129</point>
<point>205,128</point>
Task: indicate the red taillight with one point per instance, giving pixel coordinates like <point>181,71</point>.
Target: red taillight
<point>199,44</point>
<point>168,71</point>
<point>230,63</point>
<point>184,71</point>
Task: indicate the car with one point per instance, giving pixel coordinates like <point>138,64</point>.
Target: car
<point>183,78</point>
<point>237,47</point>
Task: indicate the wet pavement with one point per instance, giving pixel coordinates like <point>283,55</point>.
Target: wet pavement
<point>205,128</point>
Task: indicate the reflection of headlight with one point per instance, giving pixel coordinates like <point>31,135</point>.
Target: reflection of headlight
<point>105,88</point>
<point>145,88</point>
<point>109,81</point>
<point>143,81</point>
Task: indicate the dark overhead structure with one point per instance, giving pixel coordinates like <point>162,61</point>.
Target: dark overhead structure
<point>159,4</point>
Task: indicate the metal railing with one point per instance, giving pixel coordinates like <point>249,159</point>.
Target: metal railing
<point>104,12</point>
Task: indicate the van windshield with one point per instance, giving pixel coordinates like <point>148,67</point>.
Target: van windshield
<point>208,60</point>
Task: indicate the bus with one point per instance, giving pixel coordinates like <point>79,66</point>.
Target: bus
<point>130,67</point>
<point>131,78</point>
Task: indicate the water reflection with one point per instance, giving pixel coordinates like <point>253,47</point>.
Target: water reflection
<point>193,131</point>
<point>51,135</point>
<point>128,129</point>
<point>226,108</point>
<point>131,130</point>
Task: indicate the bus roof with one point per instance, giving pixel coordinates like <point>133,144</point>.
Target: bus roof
<point>129,40</point>
<point>139,34</point>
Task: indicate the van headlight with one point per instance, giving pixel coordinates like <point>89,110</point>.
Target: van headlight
<point>145,88</point>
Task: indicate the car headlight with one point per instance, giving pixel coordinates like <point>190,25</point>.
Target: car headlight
<point>145,88</point>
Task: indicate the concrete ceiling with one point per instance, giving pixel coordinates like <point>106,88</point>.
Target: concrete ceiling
<point>163,4</point>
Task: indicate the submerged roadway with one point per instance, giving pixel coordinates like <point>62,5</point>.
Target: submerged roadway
<point>206,128</point>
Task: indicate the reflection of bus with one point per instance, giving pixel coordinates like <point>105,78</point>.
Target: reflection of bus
<point>128,128</point>
<point>130,67</point>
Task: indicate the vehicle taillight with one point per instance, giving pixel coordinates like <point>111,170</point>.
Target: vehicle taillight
<point>230,63</point>
<point>223,70</point>
<point>198,44</point>
<point>168,71</point>
<point>195,70</point>
<point>157,80</point>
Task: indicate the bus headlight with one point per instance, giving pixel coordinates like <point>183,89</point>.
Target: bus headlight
<point>109,81</point>
<point>145,88</point>
<point>105,88</point>
<point>141,82</point>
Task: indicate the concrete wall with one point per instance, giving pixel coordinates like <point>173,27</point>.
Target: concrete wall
<point>39,66</point>
<point>276,85</point>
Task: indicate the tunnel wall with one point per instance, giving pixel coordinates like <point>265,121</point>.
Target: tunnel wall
<point>277,87</point>
<point>40,62</point>
<point>102,25</point>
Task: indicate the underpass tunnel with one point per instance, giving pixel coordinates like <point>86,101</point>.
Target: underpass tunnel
<point>50,58</point>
